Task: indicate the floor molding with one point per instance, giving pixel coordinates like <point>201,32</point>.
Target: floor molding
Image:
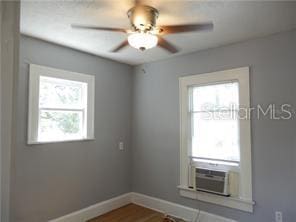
<point>96,209</point>
<point>187,213</point>
<point>164,206</point>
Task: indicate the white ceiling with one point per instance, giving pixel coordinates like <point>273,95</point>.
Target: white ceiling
<point>233,22</point>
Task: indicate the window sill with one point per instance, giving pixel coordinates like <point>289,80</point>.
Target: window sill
<point>62,141</point>
<point>231,202</point>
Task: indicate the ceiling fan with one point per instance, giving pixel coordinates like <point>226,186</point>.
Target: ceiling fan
<point>144,33</point>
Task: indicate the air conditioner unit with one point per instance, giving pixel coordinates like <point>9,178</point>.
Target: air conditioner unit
<point>212,181</point>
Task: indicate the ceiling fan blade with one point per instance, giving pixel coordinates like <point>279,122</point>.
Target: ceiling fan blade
<point>167,45</point>
<point>120,46</point>
<point>170,29</point>
<point>99,28</point>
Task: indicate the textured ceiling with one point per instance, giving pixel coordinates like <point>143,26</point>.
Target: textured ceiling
<point>233,22</point>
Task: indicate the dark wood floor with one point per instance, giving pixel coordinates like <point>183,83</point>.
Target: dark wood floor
<point>130,213</point>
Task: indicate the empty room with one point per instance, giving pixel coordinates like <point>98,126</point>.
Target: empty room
<point>147,111</point>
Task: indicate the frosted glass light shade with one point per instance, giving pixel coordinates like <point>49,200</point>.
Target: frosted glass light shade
<point>142,41</point>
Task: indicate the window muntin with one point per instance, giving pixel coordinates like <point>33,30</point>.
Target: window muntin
<point>214,122</point>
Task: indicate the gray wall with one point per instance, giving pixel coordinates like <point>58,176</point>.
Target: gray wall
<point>156,124</point>
<point>52,180</point>
<point>9,60</point>
<point>55,179</point>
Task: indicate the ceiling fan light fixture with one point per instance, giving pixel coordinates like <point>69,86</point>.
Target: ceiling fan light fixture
<point>142,41</point>
<point>144,33</point>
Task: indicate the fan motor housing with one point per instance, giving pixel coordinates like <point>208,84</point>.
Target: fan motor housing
<point>143,17</point>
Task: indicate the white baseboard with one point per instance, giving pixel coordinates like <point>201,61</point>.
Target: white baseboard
<point>187,213</point>
<point>164,206</point>
<point>96,210</point>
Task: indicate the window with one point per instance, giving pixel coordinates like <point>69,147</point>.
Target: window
<point>214,137</point>
<point>61,105</point>
<point>215,127</point>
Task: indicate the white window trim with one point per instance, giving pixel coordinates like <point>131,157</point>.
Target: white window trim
<point>244,201</point>
<point>35,72</point>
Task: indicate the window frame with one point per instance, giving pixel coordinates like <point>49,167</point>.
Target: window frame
<point>241,75</point>
<point>35,72</point>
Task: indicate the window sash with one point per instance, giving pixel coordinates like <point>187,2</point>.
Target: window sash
<point>67,137</point>
<point>84,119</point>
<point>210,159</point>
<point>65,82</point>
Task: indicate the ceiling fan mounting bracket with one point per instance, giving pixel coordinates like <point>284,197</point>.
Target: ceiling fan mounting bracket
<point>143,18</point>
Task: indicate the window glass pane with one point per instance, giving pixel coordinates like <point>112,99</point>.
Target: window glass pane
<point>58,93</point>
<point>213,97</point>
<point>60,125</point>
<point>215,136</point>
